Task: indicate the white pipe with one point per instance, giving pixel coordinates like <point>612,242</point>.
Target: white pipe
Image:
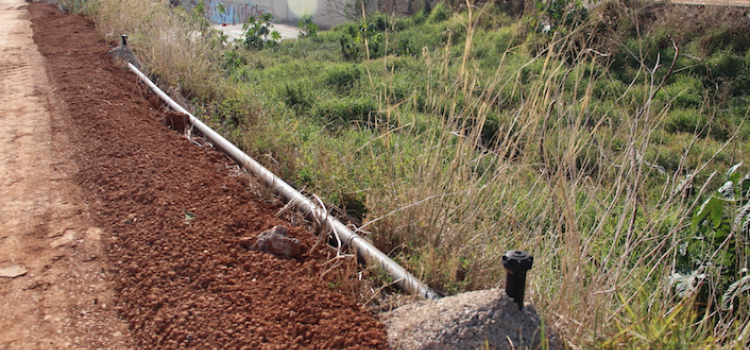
<point>364,249</point>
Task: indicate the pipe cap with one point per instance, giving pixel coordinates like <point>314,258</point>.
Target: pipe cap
<point>517,261</point>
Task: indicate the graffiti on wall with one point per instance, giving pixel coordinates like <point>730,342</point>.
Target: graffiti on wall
<point>232,13</point>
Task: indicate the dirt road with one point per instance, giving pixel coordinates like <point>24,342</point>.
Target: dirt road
<point>64,299</point>
<point>116,232</point>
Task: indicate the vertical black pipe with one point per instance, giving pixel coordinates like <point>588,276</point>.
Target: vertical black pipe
<point>517,263</point>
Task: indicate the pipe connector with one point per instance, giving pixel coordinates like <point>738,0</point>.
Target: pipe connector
<point>517,263</point>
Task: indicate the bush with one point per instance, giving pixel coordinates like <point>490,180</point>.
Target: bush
<point>343,112</point>
<point>232,60</point>
<point>309,28</point>
<point>724,66</point>
<point>724,38</point>
<point>259,33</point>
<point>685,120</point>
<point>489,47</point>
<point>413,20</point>
<point>685,92</point>
<point>342,76</point>
<point>298,96</point>
<point>440,13</point>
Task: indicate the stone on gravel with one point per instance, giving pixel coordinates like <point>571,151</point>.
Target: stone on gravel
<point>472,320</point>
<point>13,271</point>
<point>276,242</point>
<point>68,238</point>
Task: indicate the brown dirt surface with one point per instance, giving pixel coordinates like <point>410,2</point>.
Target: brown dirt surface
<point>58,296</point>
<point>150,215</point>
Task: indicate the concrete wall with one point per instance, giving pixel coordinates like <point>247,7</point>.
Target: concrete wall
<point>237,11</point>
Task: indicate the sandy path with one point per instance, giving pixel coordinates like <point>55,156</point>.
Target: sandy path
<point>62,301</point>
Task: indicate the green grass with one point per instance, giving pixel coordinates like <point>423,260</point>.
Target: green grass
<point>465,135</point>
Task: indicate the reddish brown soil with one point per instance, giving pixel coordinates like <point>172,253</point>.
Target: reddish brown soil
<point>182,282</point>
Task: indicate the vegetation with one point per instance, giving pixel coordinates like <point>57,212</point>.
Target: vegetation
<point>259,32</point>
<point>591,138</point>
<point>309,28</point>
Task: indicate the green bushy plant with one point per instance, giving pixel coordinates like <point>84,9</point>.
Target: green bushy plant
<point>441,12</point>
<point>345,112</point>
<point>686,120</point>
<point>720,245</point>
<point>684,92</point>
<point>309,28</point>
<point>298,96</point>
<point>342,76</point>
<point>363,41</point>
<point>259,33</point>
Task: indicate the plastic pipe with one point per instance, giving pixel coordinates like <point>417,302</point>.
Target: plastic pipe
<point>364,249</point>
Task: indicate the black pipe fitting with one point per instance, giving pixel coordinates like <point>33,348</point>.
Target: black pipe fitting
<point>517,263</point>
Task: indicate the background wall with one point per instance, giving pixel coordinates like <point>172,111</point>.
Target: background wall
<point>237,11</point>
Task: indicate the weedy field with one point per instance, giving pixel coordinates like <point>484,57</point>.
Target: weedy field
<point>608,142</point>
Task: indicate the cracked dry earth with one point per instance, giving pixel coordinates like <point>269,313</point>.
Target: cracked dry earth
<point>118,233</point>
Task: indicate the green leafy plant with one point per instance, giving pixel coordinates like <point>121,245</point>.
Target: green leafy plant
<point>200,9</point>
<point>363,40</point>
<point>259,33</point>
<point>720,244</point>
<point>308,27</point>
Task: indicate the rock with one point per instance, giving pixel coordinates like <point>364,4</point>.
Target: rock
<point>469,320</point>
<point>94,234</point>
<point>276,242</point>
<point>176,121</point>
<point>13,271</point>
<point>68,238</point>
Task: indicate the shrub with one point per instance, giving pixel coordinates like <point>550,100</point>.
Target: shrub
<point>308,27</point>
<point>343,112</point>
<point>685,92</point>
<point>717,246</point>
<point>440,13</point>
<point>259,33</point>
<point>342,76</point>
<point>298,95</point>
<point>724,65</point>
<point>725,38</point>
<point>232,60</point>
<point>413,20</point>
<point>685,120</point>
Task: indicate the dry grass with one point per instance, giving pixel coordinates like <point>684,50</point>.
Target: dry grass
<point>177,47</point>
<point>602,221</point>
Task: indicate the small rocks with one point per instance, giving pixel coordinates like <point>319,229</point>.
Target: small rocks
<point>276,242</point>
